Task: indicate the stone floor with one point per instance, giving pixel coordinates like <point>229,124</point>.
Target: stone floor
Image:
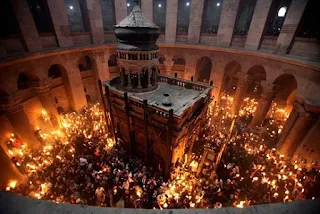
<point>12,204</point>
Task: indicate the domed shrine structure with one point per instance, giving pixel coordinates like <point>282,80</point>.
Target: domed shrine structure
<point>137,52</point>
<point>154,116</point>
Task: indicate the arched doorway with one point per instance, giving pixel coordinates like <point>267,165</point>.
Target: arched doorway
<point>85,64</point>
<point>112,61</point>
<point>179,64</point>
<point>55,71</point>
<point>230,79</point>
<point>23,81</point>
<point>287,85</point>
<point>203,69</point>
<point>257,74</point>
<point>59,84</point>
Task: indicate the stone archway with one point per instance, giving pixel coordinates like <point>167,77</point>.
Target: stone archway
<point>257,73</point>
<point>230,77</point>
<point>179,64</point>
<point>55,71</point>
<point>85,63</point>
<point>203,69</point>
<point>22,81</point>
<point>287,85</point>
<point>112,61</point>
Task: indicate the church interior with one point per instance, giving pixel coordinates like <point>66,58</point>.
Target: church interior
<point>114,106</point>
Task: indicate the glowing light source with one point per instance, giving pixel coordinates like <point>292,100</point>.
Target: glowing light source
<point>128,4</point>
<point>71,7</point>
<point>159,5</point>
<point>188,4</point>
<point>282,11</point>
<point>218,4</point>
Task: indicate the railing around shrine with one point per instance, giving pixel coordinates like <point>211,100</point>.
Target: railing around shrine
<point>183,83</point>
<point>154,112</point>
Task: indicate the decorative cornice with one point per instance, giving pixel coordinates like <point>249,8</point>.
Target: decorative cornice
<point>33,56</point>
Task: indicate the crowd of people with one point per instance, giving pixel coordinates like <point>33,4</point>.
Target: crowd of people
<point>81,163</point>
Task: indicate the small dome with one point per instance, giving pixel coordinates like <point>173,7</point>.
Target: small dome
<point>136,32</point>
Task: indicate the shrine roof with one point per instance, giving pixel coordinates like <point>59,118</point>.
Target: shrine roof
<point>182,98</point>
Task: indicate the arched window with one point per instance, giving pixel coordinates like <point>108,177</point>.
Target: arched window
<point>54,71</point>
<point>85,64</point>
<point>203,69</point>
<point>112,61</point>
<point>22,81</point>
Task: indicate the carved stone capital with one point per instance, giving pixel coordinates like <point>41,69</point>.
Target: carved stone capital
<point>11,103</point>
<point>41,86</point>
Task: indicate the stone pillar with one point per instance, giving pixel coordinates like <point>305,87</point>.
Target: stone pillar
<point>171,21</point>
<point>147,9</point>
<point>168,67</point>
<point>195,21</point>
<point>227,22</point>
<point>43,89</point>
<point>239,95</point>
<point>60,23</point>
<point>129,80</point>
<point>100,66</point>
<point>289,124</point>
<point>149,78</point>
<point>139,80</point>
<point>296,134</point>
<point>309,148</point>
<point>8,169</point>
<point>290,26</point>
<point>13,107</point>
<point>74,87</point>
<point>27,27</point>
<point>95,21</point>
<point>120,9</point>
<point>263,107</point>
<point>123,77</point>
<point>257,24</point>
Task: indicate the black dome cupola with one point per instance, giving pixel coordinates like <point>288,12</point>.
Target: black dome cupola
<point>136,32</point>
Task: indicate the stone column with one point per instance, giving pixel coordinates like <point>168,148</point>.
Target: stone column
<point>123,77</point>
<point>257,24</point>
<point>95,21</point>
<point>120,10</point>
<point>74,87</point>
<point>129,80</point>
<point>168,67</point>
<point>60,23</point>
<point>227,22</point>
<point>239,95</point>
<point>171,21</point>
<point>139,80</point>
<point>149,78</point>
<point>13,107</point>
<point>27,27</point>
<point>289,124</point>
<point>43,89</point>
<point>147,9</point>
<point>263,107</point>
<point>296,134</point>
<point>309,148</point>
<point>100,65</point>
<point>9,171</point>
<point>195,21</point>
<point>100,70</point>
<point>290,26</point>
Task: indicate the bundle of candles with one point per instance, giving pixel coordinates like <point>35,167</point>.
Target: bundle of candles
<point>250,171</point>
